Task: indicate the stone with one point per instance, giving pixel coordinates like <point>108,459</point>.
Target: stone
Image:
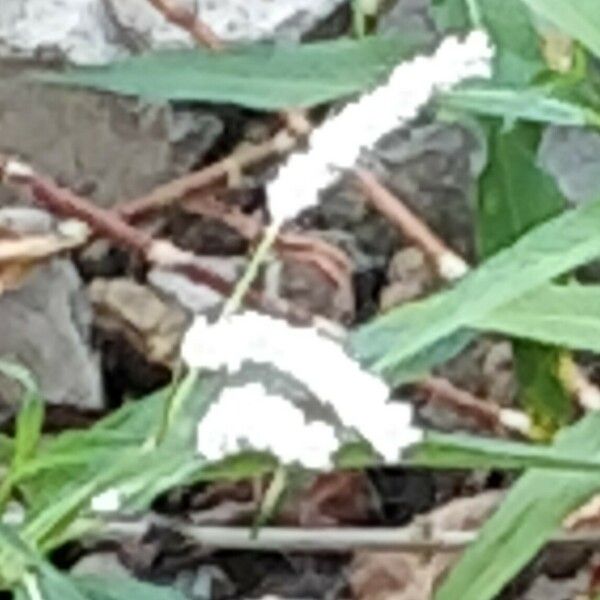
<point>231,20</point>
<point>153,326</point>
<point>431,167</point>
<point>100,31</point>
<point>77,28</point>
<point>410,277</point>
<point>572,156</point>
<point>103,146</point>
<point>44,325</point>
<point>192,296</point>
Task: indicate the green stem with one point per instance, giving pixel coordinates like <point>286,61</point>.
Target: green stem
<point>474,13</point>
<point>32,587</point>
<point>174,403</point>
<point>241,289</point>
<point>187,384</point>
<point>274,493</point>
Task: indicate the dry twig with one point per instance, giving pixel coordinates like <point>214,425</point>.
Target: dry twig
<point>63,202</point>
<point>181,16</point>
<point>488,415</point>
<point>329,259</point>
<point>181,188</point>
<point>448,264</point>
<point>413,538</point>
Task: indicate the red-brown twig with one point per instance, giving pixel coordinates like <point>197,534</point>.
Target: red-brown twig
<point>179,189</point>
<point>448,264</point>
<point>183,17</point>
<point>488,415</point>
<point>63,202</point>
<point>330,260</point>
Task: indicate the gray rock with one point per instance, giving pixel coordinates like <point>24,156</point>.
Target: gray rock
<point>231,20</point>
<point>99,31</point>
<point>408,17</point>
<point>77,28</point>
<point>105,147</point>
<point>44,324</point>
<point>572,156</point>
<point>432,168</point>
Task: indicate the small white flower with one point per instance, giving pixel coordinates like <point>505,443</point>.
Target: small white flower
<point>360,124</point>
<point>359,398</point>
<point>107,502</point>
<point>248,418</point>
<point>301,352</point>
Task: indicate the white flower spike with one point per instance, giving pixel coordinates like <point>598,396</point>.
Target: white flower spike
<point>339,140</point>
<point>359,399</point>
<point>248,418</point>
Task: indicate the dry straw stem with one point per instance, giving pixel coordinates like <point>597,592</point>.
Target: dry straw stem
<point>413,538</point>
<point>486,414</point>
<point>63,202</point>
<point>297,125</point>
<point>182,187</point>
<point>448,264</point>
<point>184,18</point>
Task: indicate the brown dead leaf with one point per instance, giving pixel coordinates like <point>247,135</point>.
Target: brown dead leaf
<point>413,576</point>
<point>20,254</point>
<point>585,516</point>
<point>340,498</point>
<point>37,247</point>
<point>12,274</point>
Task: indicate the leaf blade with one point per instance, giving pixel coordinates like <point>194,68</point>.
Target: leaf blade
<point>547,251</point>
<point>259,77</point>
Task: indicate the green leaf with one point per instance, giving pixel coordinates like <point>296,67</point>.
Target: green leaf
<point>450,14</point>
<point>15,557</point>
<point>578,18</point>
<point>512,104</point>
<point>514,195</point>
<point>534,508</point>
<point>519,58</point>
<point>29,423</point>
<point>31,415</point>
<point>115,588</point>
<point>53,585</point>
<point>542,254</point>
<point>561,315</point>
<point>455,451</point>
<point>260,77</point>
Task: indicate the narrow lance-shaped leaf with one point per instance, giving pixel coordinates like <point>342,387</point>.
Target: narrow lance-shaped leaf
<point>578,18</point>
<point>544,253</point>
<point>512,104</point>
<point>562,315</point>
<point>261,77</point>
<point>514,195</point>
<point>456,451</point>
<point>121,588</point>
<point>533,510</point>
